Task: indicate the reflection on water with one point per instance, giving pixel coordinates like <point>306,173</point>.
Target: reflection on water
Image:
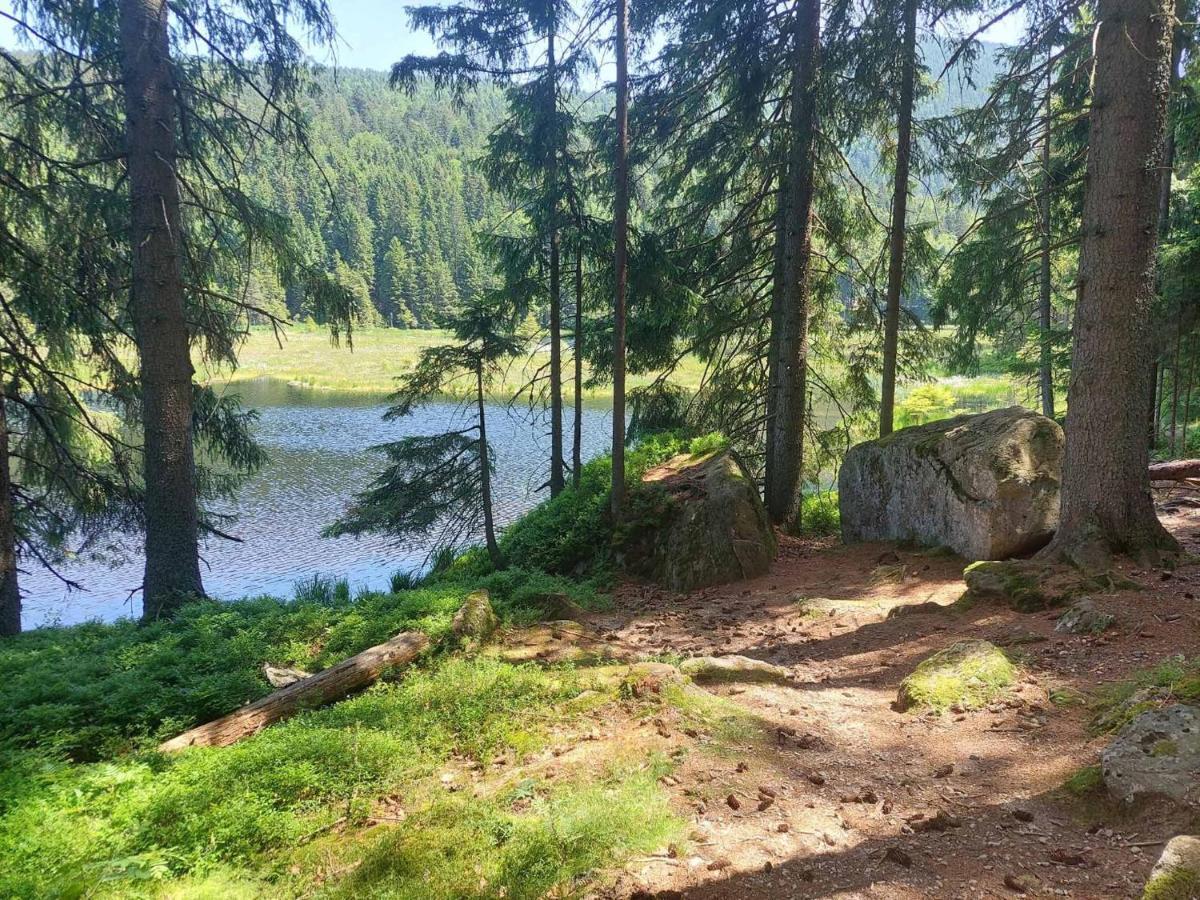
<point>317,442</point>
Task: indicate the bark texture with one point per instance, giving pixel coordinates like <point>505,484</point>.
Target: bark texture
<point>316,690</point>
<point>790,307</point>
<point>577,350</point>
<point>557,479</point>
<point>620,259</point>
<point>895,287</point>
<point>172,571</point>
<point>1106,505</point>
<point>10,593</point>
<point>1045,362</point>
<point>485,476</point>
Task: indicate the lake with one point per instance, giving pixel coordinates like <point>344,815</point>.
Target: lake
<point>318,446</point>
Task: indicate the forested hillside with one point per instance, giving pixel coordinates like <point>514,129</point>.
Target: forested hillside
<point>392,197</point>
<point>389,199</point>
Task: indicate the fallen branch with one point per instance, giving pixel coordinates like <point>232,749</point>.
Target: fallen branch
<point>316,690</point>
<point>1175,470</point>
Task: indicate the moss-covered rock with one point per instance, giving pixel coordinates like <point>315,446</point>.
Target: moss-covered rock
<point>968,674</point>
<point>1156,757</point>
<point>985,485</point>
<point>1028,585</point>
<point>475,619</point>
<point>733,668</point>
<point>696,521</point>
<point>1176,875</point>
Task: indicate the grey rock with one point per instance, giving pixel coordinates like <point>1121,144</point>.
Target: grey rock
<point>1084,618</point>
<point>733,668</point>
<point>1157,755</point>
<point>705,524</point>
<point>985,485</point>
<point>1177,872</point>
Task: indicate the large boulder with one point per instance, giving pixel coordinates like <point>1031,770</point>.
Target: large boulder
<point>697,521</point>
<point>1156,756</point>
<point>984,485</point>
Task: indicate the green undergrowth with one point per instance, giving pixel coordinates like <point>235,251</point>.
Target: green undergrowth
<point>1175,680</point>
<point>572,534</point>
<point>132,825</point>
<point>92,691</point>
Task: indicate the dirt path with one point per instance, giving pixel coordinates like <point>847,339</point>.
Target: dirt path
<point>848,798</point>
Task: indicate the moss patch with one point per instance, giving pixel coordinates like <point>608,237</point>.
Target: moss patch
<point>968,674</point>
<point>1177,884</point>
<point>1085,781</point>
<point>1171,681</point>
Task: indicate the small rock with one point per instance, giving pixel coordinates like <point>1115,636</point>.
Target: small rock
<point>1021,884</point>
<point>1082,617</point>
<point>1177,867</point>
<point>1156,755</point>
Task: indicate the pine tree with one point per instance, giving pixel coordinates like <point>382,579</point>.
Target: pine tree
<point>442,482</point>
<point>1106,505</point>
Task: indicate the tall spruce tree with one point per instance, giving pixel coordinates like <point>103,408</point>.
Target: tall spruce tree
<point>1106,504</point>
<point>518,45</point>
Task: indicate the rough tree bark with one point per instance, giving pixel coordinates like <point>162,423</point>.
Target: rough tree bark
<point>790,307</point>
<point>577,339</point>
<point>172,572</point>
<point>895,287</point>
<point>315,690</point>
<point>620,258</point>
<point>10,593</point>
<point>485,476</point>
<point>1045,362</point>
<point>1106,504</point>
<point>557,480</point>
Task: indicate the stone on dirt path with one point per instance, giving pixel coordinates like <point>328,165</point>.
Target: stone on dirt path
<point>966,675</point>
<point>985,485</point>
<point>732,668</point>
<point>1157,755</point>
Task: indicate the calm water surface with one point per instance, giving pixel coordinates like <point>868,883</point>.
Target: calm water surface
<point>317,442</point>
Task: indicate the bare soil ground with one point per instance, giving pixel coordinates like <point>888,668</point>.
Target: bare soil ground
<point>832,793</point>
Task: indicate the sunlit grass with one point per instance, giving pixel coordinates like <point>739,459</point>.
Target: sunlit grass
<point>306,356</point>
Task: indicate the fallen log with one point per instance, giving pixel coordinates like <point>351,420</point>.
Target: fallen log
<point>1175,470</point>
<point>315,690</point>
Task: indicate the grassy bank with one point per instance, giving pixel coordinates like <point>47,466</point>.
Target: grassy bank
<point>379,355</point>
<point>311,806</point>
<point>431,784</point>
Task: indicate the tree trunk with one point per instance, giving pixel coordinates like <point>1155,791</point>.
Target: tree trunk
<point>316,690</point>
<point>557,481</point>
<point>790,314</point>
<point>1045,362</point>
<point>485,476</point>
<point>1187,395</point>
<point>172,571</point>
<point>891,324</point>
<point>1175,390</point>
<point>577,445</point>
<point>10,593</point>
<point>620,259</point>
<point>1106,504</point>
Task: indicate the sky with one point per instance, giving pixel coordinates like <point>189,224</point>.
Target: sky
<point>373,34</point>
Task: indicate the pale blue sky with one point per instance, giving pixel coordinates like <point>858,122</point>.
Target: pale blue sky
<point>373,34</point>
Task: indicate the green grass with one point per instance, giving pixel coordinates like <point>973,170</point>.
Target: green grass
<point>93,691</point>
<point>1084,782</point>
<point>147,817</point>
<point>1173,680</point>
<point>969,674</point>
<point>564,831</point>
<point>379,355</point>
